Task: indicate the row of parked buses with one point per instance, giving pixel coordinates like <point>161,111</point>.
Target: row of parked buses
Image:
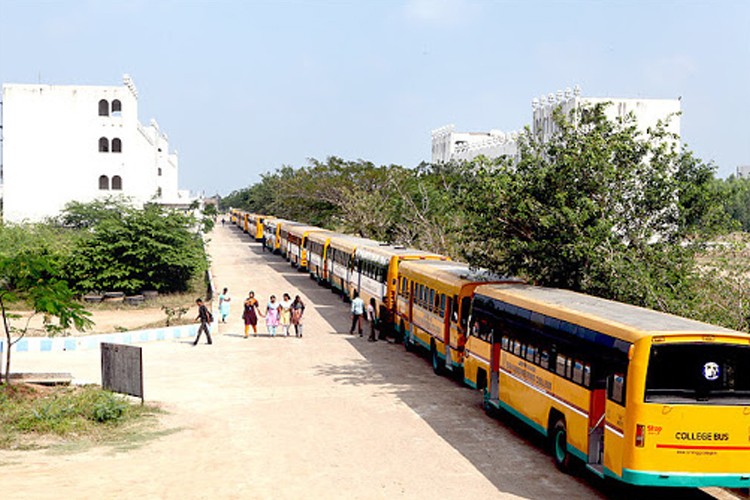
<point>637,395</point>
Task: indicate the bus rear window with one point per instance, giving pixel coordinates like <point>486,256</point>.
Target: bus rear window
<point>699,373</point>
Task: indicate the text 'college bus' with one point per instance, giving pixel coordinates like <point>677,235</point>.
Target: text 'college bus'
<point>641,396</point>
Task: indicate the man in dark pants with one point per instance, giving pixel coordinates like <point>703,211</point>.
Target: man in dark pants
<point>205,319</point>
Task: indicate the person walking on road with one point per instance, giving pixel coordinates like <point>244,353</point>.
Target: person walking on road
<point>272,315</point>
<point>372,318</point>
<point>224,300</point>
<point>285,313</point>
<point>358,309</point>
<point>250,314</point>
<point>298,309</point>
<point>204,316</point>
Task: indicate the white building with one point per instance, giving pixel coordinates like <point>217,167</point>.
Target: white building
<point>743,172</point>
<point>647,112</point>
<point>449,145</point>
<point>65,143</point>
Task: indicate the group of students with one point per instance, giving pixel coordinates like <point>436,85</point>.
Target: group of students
<point>285,313</point>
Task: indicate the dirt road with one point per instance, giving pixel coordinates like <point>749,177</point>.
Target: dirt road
<point>326,416</point>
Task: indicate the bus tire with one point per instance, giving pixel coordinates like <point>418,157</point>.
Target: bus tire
<point>559,442</point>
<point>436,366</point>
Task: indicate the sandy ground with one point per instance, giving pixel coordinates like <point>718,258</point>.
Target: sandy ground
<point>105,321</point>
<point>326,416</point>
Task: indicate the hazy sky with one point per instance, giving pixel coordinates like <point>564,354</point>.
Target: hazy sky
<point>243,87</point>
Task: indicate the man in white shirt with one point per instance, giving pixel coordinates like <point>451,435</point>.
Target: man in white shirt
<point>358,309</point>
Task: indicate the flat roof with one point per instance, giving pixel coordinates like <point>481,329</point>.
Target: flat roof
<point>624,321</point>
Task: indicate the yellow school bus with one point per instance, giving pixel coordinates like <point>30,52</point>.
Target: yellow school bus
<point>235,216</point>
<point>272,233</point>
<point>339,259</point>
<point>640,396</point>
<point>317,249</point>
<point>255,226</point>
<point>432,311</point>
<point>374,275</point>
<point>297,241</point>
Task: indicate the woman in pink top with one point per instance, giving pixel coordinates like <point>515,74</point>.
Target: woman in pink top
<point>272,315</point>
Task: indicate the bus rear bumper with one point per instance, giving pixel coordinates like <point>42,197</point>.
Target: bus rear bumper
<point>677,479</point>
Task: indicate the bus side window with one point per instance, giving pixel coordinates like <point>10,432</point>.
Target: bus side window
<point>569,367</point>
<point>454,312</point>
<point>578,372</point>
<point>587,375</point>
<point>530,350</point>
<point>544,359</point>
<point>442,305</point>
<point>560,369</point>
<point>505,343</point>
<point>432,300</point>
<point>465,306</point>
<point>616,388</point>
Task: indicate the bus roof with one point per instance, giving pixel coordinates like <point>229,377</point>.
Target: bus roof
<point>302,229</point>
<point>623,321</point>
<point>320,235</point>
<point>384,253</point>
<point>349,243</point>
<point>456,274</point>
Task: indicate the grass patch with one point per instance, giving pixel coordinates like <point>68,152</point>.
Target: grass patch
<point>33,417</point>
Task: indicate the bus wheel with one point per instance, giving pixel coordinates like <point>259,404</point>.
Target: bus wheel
<point>560,446</point>
<point>436,366</point>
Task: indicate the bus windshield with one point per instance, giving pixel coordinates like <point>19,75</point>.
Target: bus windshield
<point>699,373</point>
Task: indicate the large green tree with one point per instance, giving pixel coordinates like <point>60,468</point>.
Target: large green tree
<point>150,248</point>
<point>601,207</point>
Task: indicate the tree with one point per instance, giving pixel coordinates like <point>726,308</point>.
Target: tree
<point>600,208</point>
<point>31,276</point>
<point>152,248</point>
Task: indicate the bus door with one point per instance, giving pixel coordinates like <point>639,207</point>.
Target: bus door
<point>447,332</point>
<point>597,414</point>
<point>493,390</point>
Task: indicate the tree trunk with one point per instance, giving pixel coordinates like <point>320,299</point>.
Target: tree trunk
<point>6,327</point>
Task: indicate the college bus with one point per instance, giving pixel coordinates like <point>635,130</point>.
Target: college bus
<point>271,231</point>
<point>255,226</point>
<point>297,241</point>
<point>374,275</point>
<point>641,396</point>
<point>317,248</point>
<point>339,258</point>
<point>432,311</point>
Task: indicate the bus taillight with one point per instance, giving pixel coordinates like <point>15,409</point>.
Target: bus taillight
<point>640,435</point>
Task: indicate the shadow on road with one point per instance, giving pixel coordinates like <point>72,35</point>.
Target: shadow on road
<point>509,454</point>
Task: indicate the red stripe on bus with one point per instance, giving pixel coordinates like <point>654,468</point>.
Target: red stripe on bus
<point>698,447</point>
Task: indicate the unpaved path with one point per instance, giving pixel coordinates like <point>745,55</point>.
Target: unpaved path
<point>326,416</point>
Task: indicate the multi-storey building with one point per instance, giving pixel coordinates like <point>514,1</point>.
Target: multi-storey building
<point>65,143</point>
<point>449,145</point>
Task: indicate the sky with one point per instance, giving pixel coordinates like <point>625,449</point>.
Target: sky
<point>245,87</point>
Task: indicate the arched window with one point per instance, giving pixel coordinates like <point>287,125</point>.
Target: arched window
<point>117,182</point>
<point>103,145</point>
<point>159,171</point>
<point>116,108</point>
<point>103,108</point>
<point>103,182</point>
<point>116,145</point>
<point>158,192</point>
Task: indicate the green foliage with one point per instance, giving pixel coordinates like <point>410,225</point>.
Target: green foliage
<point>79,215</point>
<point>599,208</point>
<point>735,193</point>
<point>152,248</point>
<point>62,411</point>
